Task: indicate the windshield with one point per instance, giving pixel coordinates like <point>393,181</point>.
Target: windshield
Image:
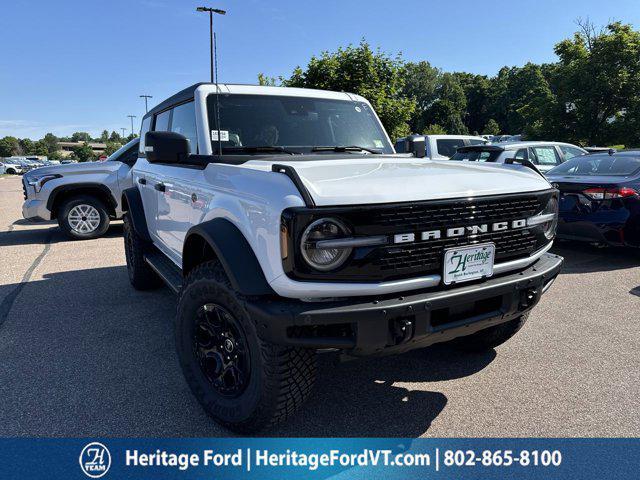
<point>598,165</point>
<point>115,156</point>
<point>477,155</point>
<point>295,124</point>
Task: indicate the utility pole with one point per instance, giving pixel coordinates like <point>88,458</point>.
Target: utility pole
<point>131,117</point>
<point>146,97</point>
<point>123,130</point>
<point>211,12</point>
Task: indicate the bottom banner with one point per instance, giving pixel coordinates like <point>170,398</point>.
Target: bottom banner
<point>270,458</point>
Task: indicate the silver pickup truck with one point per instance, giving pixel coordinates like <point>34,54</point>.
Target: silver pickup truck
<point>83,197</point>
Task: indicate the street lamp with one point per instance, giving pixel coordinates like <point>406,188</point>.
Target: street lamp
<point>211,12</point>
<point>131,117</point>
<point>146,97</point>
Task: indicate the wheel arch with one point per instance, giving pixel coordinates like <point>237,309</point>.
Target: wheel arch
<point>63,192</point>
<point>221,240</point>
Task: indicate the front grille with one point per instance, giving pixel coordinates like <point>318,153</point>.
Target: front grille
<point>423,257</point>
<point>427,256</point>
<point>429,217</point>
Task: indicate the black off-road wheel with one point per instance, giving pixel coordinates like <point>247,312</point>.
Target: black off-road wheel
<point>490,337</point>
<point>244,382</point>
<point>141,276</point>
<point>83,217</point>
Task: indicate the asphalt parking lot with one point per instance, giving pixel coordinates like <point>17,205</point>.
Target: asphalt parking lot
<point>83,354</point>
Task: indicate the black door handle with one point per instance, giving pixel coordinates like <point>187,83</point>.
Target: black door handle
<point>160,187</point>
<point>142,181</point>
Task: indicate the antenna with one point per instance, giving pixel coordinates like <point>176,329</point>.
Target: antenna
<point>215,56</point>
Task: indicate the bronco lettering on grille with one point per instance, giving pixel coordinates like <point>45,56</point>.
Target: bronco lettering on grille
<point>460,231</point>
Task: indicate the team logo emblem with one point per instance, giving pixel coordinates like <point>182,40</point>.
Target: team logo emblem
<point>95,460</point>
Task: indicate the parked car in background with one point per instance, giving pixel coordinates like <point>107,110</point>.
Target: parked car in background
<point>600,198</point>
<point>544,155</point>
<point>82,197</point>
<point>11,167</point>
<point>439,147</point>
<point>598,149</point>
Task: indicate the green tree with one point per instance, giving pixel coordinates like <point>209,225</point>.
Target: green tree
<point>104,136</point>
<point>491,128</point>
<point>267,81</point>
<point>599,81</point>
<point>9,146</point>
<point>40,148</point>
<point>84,152</point>
<point>358,69</point>
<point>421,82</point>
<point>448,110</point>
<point>27,146</point>
<point>115,137</point>
<point>50,142</point>
<point>112,147</point>
<point>434,129</point>
<point>80,137</point>
<point>476,91</point>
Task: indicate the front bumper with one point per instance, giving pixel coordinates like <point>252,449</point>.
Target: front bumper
<point>35,209</point>
<point>394,324</point>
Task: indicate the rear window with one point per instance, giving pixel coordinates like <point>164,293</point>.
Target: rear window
<point>477,155</point>
<point>599,165</point>
<point>448,147</point>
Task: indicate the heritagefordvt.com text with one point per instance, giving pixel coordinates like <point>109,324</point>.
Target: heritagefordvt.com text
<point>248,458</point>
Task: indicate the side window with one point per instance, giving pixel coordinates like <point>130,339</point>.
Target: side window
<point>474,141</point>
<point>184,123</point>
<point>146,124</point>
<point>522,154</point>
<point>448,147</point>
<point>546,155</point>
<point>162,121</point>
<point>570,152</point>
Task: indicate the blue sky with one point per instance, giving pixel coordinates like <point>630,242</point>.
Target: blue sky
<point>74,65</point>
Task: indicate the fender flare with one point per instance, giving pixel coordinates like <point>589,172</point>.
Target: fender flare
<point>234,253</point>
<point>76,186</point>
<point>132,203</point>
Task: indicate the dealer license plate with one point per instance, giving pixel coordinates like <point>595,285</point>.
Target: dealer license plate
<point>468,263</point>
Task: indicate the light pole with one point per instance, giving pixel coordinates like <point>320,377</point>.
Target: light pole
<point>123,130</point>
<point>131,117</point>
<point>146,97</point>
<point>211,12</point>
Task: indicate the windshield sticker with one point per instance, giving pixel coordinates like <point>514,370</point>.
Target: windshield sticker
<point>378,143</point>
<point>358,109</point>
<point>224,135</point>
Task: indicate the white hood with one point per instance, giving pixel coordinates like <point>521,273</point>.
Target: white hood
<point>385,179</point>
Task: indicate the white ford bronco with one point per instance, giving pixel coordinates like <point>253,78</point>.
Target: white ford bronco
<point>286,225</point>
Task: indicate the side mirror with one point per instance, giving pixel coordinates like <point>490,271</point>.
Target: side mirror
<point>413,144</point>
<point>166,147</point>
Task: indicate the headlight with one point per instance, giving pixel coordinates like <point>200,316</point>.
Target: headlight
<point>319,257</point>
<point>38,181</point>
<point>548,218</point>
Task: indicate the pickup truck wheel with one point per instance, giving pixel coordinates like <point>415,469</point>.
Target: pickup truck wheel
<point>83,217</point>
<point>141,275</point>
<point>244,382</point>
<point>490,337</point>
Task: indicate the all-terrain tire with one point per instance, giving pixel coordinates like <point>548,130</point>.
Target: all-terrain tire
<point>280,378</point>
<point>490,337</point>
<point>71,206</point>
<point>141,275</point>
